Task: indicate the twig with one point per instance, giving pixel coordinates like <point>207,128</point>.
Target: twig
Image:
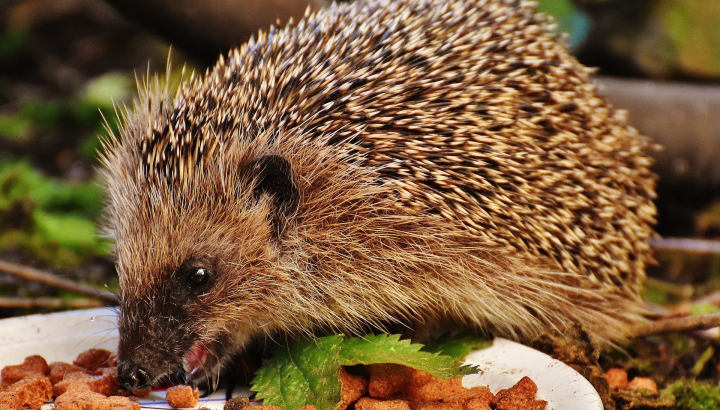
<point>48,303</point>
<point>678,324</point>
<point>689,245</point>
<point>51,279</point>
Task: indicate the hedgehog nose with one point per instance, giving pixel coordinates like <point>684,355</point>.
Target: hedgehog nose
<point>132,377</point>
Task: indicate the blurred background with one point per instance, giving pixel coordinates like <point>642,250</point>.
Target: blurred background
<point>65,64</point>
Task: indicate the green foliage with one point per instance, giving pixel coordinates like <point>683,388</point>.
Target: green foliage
<point>459,346</point>
<point>54,220</point>
<point>44,115</point>
<point>14,127</point>
<point>32,117</point>
<point>382,348</point>
<point>694,395</point>
<point>306,372</point>
<point>71,231</point>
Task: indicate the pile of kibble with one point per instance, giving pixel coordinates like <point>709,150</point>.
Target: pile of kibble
<point>90,383</point>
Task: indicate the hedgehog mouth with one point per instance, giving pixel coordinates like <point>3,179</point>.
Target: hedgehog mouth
<point>201,362</point>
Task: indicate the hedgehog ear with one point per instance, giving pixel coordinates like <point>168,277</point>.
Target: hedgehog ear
<point>275,178</point>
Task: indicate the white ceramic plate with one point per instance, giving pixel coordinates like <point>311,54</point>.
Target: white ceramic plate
<point>62,336</point>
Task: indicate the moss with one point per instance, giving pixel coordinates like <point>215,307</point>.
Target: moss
<point>695,395</point>
<point>642,399</point>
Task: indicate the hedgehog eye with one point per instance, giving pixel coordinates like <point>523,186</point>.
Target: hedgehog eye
<point>198,277</point>
<point>195,274</point>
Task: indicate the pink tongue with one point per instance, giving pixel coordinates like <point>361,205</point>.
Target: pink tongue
<point>195,358</point>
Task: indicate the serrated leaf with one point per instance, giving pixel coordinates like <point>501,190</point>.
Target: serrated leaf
<point>382,348</point>
<point>458,346</point>
<point>306,372</point>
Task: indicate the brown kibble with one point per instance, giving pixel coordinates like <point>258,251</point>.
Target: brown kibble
<point>525,389</point>
<point>121,403</point>
<point>93,359</point>
<point>419,378</point>
<point>105,382</point>
<point>142,393</point>
<point>58,370</point>
<point>617,378</point>
<point>30,392</point>
<point>435,405</point>
<point>182,396</point>
<point>520,396</point>
<point>9,400</point>
<point>478,392</point>
<point>643,383</point>
<point>237,403</point>
<point>77,387</point>
<point>82,386</point>
<point>368,403</point>
<point>31,365</point>
<point>36,363</point>
<point>79,397</point>
<point>478,404</point>
<point>435,390</point>
<point>387,379</point>
<point>353,387</point>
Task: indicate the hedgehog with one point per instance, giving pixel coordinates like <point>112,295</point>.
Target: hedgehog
<point>421,163</point>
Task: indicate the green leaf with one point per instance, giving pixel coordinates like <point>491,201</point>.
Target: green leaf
<point>307,372</point>
<point>382,348</point>
<point>459,346</point>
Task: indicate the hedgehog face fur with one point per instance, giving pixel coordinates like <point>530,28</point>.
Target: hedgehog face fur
<point>416,162</point>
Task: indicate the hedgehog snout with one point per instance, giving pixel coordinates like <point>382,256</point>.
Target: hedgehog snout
<point>141,365</point>
<point>133,377</point>
<point>155,329</point>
